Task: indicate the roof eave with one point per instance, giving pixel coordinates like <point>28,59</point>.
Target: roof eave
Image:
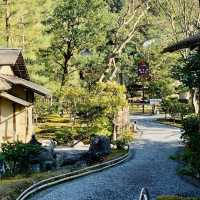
<point>191,42</point>
<point>15,99</point>
<point>28,84</point>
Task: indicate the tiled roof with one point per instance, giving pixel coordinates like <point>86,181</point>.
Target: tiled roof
<point>9,56</point>
<point>14,58</point>
<point>28,84</point>
<point>190,42</point>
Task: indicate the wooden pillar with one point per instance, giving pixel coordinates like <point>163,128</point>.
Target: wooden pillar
<point>1,134</point>
<point>27,124</point>
<point>14,121</point>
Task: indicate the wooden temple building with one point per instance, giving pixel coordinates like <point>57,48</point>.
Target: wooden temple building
<point>191,42</point>
<point>16,97</point>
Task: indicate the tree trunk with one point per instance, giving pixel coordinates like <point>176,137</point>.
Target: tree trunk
<point>195,100</point>
<point>7,21</point>
<point>198,94</point>
<point>67,56</point>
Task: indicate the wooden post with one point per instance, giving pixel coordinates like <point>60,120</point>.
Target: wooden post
<point>1,134</point>
<point>143,98</point>
<point>114,129</point>
<point>114,133</point>
<point>14,121</point>
<point>27,123</point>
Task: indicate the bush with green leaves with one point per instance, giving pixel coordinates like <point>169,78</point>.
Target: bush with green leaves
<point>124,139</point>
<point>191,138</point>
<point>18,155</point>
<point>43,108</point>
<point>176,108</point>
<point>64,137</point>
<point>1,157</point>
<point>96,108</point>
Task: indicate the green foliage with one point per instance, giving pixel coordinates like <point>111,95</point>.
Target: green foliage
<point>18,155</point>
<point>116,5</point>
<point>176,198</point>
<point>191,124</point>
<point>191,138</point>
<point>74,27</point>
<point>120,144</point>
<point>25,27</point>
<point>160,88</point>
<point>188,70</point>
<point>175,108</point>
<point>2,157</point>
<point>125,138</point>
<point>96,108</point>
<point>64,137</point>
<point>43,108</point>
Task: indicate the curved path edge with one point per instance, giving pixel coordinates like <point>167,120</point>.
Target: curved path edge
<point>41,185</point>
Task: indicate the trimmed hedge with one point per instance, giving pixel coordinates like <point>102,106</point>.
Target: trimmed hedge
<point>191,138</point>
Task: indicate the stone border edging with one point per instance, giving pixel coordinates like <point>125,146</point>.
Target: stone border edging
<point>192,180</point>
<point>71,175</point>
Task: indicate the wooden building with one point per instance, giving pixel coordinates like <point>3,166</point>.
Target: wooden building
<point>16,97</point>
<point>191,42</point>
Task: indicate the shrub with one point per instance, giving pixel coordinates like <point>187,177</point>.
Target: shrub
<point>96,108</point>
<point>18,154</point>
<point>191,124</point>
<point>191,138</point>
<point>124,139</point>
<point>120,144</point>
<point>175,108</point>
<point>64,137</point>
<point>1,157</point>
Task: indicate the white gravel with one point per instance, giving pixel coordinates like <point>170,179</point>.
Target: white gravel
<point>149,167</point>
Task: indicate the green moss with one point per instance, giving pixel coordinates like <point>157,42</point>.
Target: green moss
<point>116,153</point>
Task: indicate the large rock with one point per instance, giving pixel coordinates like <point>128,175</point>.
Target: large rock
<point>34,141</point>
<point>99,147</point>
<point>49,145</point>
<point>46,159</point>
<point>70,159</point>
<point>2,168</point>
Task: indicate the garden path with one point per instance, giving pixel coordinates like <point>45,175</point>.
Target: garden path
<point>149,166</point>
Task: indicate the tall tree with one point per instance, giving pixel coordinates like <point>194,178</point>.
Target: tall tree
<point>76,27</point>
<point>131,16</point>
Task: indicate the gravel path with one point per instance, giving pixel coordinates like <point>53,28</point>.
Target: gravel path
<point>149,167</point>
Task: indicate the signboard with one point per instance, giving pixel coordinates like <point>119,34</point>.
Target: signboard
<point>143,69</point>
<point>155,101</point>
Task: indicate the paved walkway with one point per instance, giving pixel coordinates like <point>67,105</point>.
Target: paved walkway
<point>150,167</point>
